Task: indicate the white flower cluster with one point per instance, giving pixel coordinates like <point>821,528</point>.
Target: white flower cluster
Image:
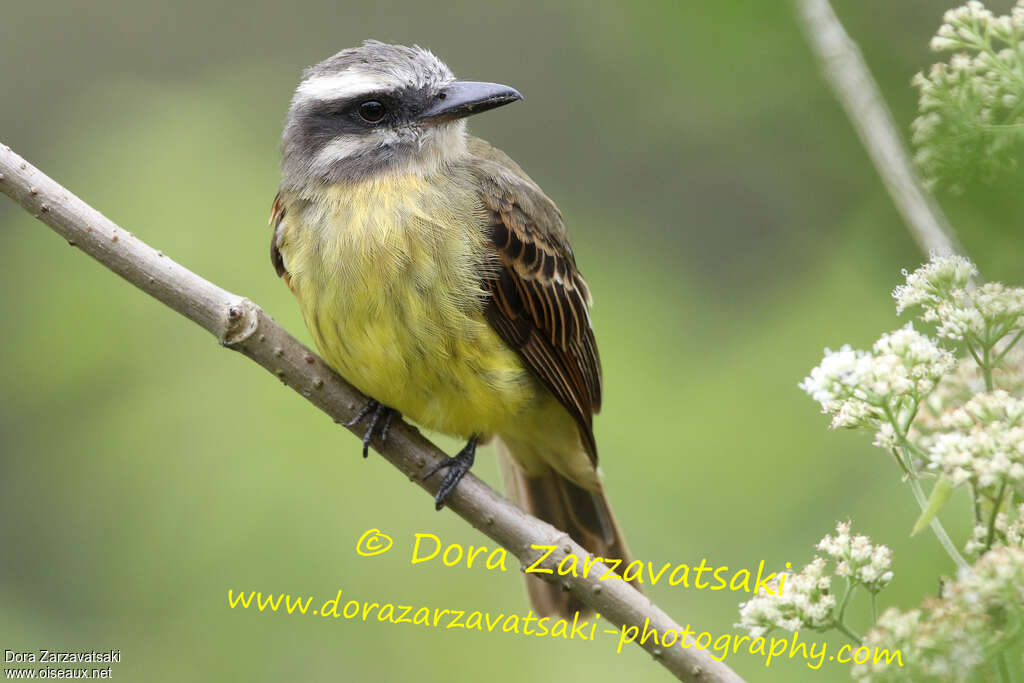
<point>968,27</point>
<point>858,560</point>
<point>982,316</point>
<point>984,444</point>
<point>956,637</point>
<point>1004,532</point>
<point>805,599</point>
<point>868,389</point>
<point>934,282</point>
<point>1000,307</point>
<point>966,105</point>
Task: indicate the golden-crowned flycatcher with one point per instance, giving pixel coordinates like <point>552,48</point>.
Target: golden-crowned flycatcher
<point>437,278</point>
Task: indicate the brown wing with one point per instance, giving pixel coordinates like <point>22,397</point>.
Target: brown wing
<point>276,217</point>
<point>539,301</point>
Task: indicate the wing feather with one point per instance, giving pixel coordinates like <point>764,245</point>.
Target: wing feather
<point>277,212</point>
<point>539,301</point>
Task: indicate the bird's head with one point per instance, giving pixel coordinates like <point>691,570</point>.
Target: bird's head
<point>376,109</point>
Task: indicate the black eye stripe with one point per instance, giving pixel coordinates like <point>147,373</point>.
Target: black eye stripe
<point>400,106</point>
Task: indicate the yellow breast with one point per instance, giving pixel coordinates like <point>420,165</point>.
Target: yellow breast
<point>387,274</point>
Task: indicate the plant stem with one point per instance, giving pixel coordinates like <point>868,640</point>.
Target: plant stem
<point>986,369</point>
<point>850,588</point>
<point>874,608</point>
<point>1006,349</point>
<point>937,528</point>
<point>995,513</point>
<point>974,355</point>
<point>846,71</point>
<point>976,504</point>
<point>845,630</point>
<point>911,414</point>
<point>922,500</point>
<point>899,461</point>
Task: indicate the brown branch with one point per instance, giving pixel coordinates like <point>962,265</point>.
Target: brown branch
<point>845,70</point>
<point>239,324</point>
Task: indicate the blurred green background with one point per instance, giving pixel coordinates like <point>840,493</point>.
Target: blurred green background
<point>722,209</point>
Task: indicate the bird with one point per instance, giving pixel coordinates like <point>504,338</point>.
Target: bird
<point>437,278</point>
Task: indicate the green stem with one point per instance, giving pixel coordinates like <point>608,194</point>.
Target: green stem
<point>995,512</point>
<point>936,525</point>
<point>922,501</point>
<point>899,461</point>
<point>874,608</point>
<point>986,369</point>
<point>975,356</point>
<point>976,501</point>
<point>913,447</point>
<point>900,434</point>
<point>911,414</point>
<point>845,630</point>
<point>1013,342</point>
<point>850,588</point>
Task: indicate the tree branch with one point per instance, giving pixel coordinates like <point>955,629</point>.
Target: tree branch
<point>239,324</point>
<point>845,70</point>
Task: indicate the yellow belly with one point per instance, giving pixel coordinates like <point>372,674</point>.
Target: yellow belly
<point>387,276</point>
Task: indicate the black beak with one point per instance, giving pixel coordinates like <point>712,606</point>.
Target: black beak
<point>463,98</point>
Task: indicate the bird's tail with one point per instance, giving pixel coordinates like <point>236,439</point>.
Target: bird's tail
<point>584,515</point>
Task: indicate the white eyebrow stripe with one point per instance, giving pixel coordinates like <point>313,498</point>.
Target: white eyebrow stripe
<point>339,86</point>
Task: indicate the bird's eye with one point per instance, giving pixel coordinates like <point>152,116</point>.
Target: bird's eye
<point>372,111</point>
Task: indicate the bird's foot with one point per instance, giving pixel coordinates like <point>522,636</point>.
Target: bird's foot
<point>457,468</point>
<point>380,422</point>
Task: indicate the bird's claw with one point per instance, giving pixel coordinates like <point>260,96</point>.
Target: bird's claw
<point>380,423</point>
<point>457,468</point>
